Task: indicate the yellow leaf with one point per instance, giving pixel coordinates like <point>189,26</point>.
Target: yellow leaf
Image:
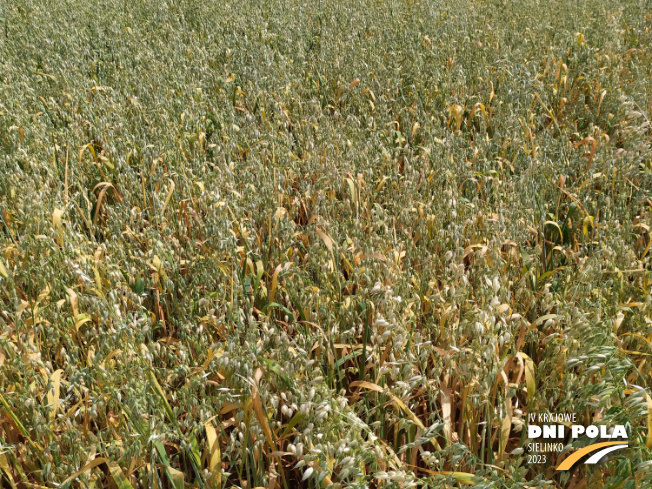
<point>56,224</point>
<point>84,469</point>
<point>552,223</point>
<point>18,424</point>
<point>529,374</point>
<point>6,468</point>
<point>455,112</point>
<point>227,407</point>
<point>214,455</point>
<point>105,186</point>
<point>477,106</point>
<point>81,319</point>
<point>157,265</point>
<point>54,392</point>
<point>167,199</point>
<point>381,184</point>
<point>74,302</point>
<point>506,427</point>
<point>22,306</point>
<point>367,385</point>
<point>398,402</point>
<point>159,391</point>
<point>274,283</point>
<point>462,477</point>
<point>543,319</point>
<point>56,218</point>
<point>648,443</point>
<point>118,476</point>
<point>619,320</point>
<point>262,417</point>
<point>177,477</point>
<point>588,221</point>
<point>45,293</point>
<point>413,417</point>
<point>328,241</point>
<point>3,270</point>
<point>98,279</point>
<point>447,410</point>
<point>351,189</point>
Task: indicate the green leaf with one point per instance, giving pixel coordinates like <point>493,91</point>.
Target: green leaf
<point>284,309</point>
<point>159,391</point>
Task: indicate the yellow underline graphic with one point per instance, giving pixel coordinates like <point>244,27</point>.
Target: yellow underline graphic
<point>570,461</point>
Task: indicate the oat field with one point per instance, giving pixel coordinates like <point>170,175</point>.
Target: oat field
<point>322,244</point>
